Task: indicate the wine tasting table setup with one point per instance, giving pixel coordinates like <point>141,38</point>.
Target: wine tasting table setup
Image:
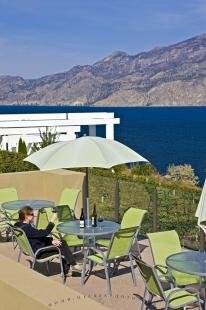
<point>90,233</point>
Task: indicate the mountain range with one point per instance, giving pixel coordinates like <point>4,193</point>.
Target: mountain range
<point>174,75</point>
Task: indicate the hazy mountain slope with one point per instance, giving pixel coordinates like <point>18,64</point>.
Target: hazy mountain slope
<point>173,75</point>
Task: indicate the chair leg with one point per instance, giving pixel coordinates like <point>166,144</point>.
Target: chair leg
<point>149,301</point>
<point>7,233</point>
<point>62,270</point>
<point>14,242</point>
<point>91,264</point>
<point>13,239</point>
<point>138,248</point>
<point>115,267</point>
<point>199,304</point>
<point>47,267</point>
<point>132,270</point>
<point>19,256</point>
<point>84,267</point>
<point>109,290</point>
<point>150,298</point>
<point>109,268</point>
<point>143,300</point>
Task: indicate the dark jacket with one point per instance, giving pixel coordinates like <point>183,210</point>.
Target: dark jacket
<point>38,238</point>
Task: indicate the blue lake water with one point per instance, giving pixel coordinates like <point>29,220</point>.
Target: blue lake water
<point>162,135</point>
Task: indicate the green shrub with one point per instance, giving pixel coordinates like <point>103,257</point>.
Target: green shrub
<point>22,147</point>
<point>176,202</point>
<point>145,169</point>
<point>13,162</point>
<point>120,170</point>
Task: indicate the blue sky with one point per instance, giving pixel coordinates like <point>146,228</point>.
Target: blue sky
<point>40,37</point>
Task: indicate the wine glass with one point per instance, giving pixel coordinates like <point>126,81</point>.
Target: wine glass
<point>54,210</point>
<point>100,220</point>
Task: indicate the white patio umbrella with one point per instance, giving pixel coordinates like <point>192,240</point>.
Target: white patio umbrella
<point>84,152</point>
<point>201,209</point>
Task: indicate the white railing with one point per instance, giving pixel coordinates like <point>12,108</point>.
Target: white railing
<point>67,125</point>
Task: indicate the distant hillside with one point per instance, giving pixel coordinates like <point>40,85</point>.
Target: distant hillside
<point>172,75</point>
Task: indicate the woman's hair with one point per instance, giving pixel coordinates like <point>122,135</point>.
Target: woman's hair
<point>27,210</point>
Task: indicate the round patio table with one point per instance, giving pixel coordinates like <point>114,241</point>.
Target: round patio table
<point>190,262</point>
<point>35,204</point>
<point>103,228</point>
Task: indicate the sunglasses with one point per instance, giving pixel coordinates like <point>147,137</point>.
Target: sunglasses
<point>32,214</point>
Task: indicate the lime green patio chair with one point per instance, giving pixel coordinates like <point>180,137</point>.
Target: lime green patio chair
<point>42,255</point>
<point>44,215</point>
<point>132,217</point>
<point>42,219</point>
<point>64,214</point>
<point>11,216</point>
<point>118,249</point>
<point>174,298</point>
<point>69,197</point>
<point>162,245</point>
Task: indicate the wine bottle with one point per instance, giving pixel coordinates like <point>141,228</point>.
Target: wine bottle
<point>82,220</point>
<point>94,216</point>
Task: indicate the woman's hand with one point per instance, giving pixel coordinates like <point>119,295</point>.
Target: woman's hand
<point>56,242</point>
<point>54,217</point>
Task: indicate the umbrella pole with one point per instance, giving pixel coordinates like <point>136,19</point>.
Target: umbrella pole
<point>87,182</point>
<point>87,197</point>
<point>202,240</point>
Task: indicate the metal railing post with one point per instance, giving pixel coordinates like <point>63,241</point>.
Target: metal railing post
<point>202,240</point>
<point>154,210</point>
<point>117,202</point>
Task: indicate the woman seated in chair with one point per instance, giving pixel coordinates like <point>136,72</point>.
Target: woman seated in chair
<point>39,238</point>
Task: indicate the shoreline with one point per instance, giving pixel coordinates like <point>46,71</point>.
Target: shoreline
<point>27,106</point>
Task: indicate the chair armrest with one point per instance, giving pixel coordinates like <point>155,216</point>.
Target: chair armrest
<point>3,218</point>
<point>2,211</point>
<point>165,273</point>
<point>98,251</point>
<point>3,214</point>
<point>196,293</point>
<point>48,248</point>
<point>163,269</point>
<point>9,225</point>
<point>60,235</point>
<point>72,213</point>
<point>193,290</point>
<point>8,216</point>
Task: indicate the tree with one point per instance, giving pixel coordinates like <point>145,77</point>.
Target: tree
<point>47,137</point>
<point>182,173</point>
<point>145,169</point>
<point>22,149</point>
